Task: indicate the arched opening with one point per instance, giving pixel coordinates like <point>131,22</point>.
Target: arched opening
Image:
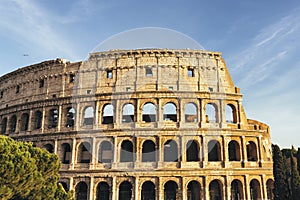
<point>170,112</point>
<point>192,151</point>
<point>53,118</point>
<point>237,190</point>
<point>84,155</point>
<point>126,151</point>
<point>108,114</point>
<point>49,148</point>
<point>171,151</point>
<point>251,151</point>
<point>270,189</point>
<point>125,191</point>
<point>215,190</point>
<point>38,118</point>
<point>214,151</point>
<point>103,191</point>
<point>171,191</point>
<point>24,122</point>
<point>66,153</point>
<point>13,124</point>
<point>88,117</point>
<point>230,114</point>
<point>255,192</point>
<point>128,113</point>
<point>81,191</point>
<point>234,151</point>
<point>194,191</point>
<point>71,113</point>
<point>148,191</point>
<point>64,185</point>
<point>211,113</point>
<point>149,112</point>
<point>3,125</point>
<point>190,112</point>
<point>148,151</point>
<point>106,152</point>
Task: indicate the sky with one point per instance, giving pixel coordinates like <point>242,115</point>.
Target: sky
<point>259,40</point>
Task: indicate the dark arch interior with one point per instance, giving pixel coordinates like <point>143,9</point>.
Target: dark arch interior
<point>148,191</point>
<point>126,151</point>
<point>125,191</point>
<point>194,191</point>
<point>170,151</point>
<point>103,191</point>
<point>148,151</point>
<point>215,190</point>
<point>171,189</point>
<point>81,191</point>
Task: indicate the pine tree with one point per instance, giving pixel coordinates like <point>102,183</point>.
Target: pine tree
<point>298,159</point>
<point>295,180</point>
<point>280,184</point>
<point>28,172</point>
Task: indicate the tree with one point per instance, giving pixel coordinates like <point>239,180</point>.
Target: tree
<point>280,179</point>
<point>298,159</point>
<point>28,172</point>
<point>295,180</point>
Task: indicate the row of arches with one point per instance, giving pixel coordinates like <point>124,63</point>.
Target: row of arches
<point>172,191</point>
<point>150,151</point>
<point>128,115</point>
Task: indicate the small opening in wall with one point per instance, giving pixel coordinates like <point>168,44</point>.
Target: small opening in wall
<point>191,72</point>
<point>42,83</point>
<point>128,89</point>
<point>72,78</point>
<point>89,91</point>
<point>170,87</point>
<point>109,74</point>
<point>210,89</point>
<point>1,94</point>
<point>149,72</point>
<point>17,89</point>
<point>54,95</point>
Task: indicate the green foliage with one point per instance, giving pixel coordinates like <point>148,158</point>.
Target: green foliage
<point>295,180</point>
<point>27,172</point>
<point>280,179</point>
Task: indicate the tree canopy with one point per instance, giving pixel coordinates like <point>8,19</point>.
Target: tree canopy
<point>28,172</point>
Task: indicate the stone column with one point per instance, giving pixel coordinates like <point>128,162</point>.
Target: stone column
<point>260,149</point>
<point>244,149</point>
<point>247,187</point>
<point>43,119</point>
<point>71,184</point>
<point>55,146</point>
<point>263,186</point>
<point>114,190</point>
<point>205,151</point>
<point>59,120</point>
<point>91,188</point>
<point>137,189</point>
<point>96,122</point>
<point>228,188</point>
<point>116,159</point>
<point>73,159</point>
<point>93,152</point>
<point>77,119</point>
<point>206,189</point>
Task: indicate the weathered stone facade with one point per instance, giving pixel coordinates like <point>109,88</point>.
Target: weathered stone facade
<point>141,124</point>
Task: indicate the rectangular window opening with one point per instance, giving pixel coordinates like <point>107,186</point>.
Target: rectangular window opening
<point>149,72</point>
<point>191,72</point>
<point>72,78</point>
<point>109,74</point>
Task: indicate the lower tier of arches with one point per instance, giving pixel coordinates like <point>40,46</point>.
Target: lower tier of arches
<point>223,187</point>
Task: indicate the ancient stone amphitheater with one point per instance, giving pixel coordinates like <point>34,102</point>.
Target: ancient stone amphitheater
<point>141,124</point>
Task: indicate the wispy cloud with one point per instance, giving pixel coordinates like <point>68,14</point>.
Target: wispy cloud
<point>26,23</point>
<point>269,48</point>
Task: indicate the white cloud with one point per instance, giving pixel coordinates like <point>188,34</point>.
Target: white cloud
<point>28,24</point>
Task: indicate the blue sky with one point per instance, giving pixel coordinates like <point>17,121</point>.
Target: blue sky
<point>258,39</point>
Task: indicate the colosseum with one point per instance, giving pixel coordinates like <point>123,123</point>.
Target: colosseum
<point>141,124</point>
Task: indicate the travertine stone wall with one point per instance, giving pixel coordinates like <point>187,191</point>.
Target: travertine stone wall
<point>66,108</point>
